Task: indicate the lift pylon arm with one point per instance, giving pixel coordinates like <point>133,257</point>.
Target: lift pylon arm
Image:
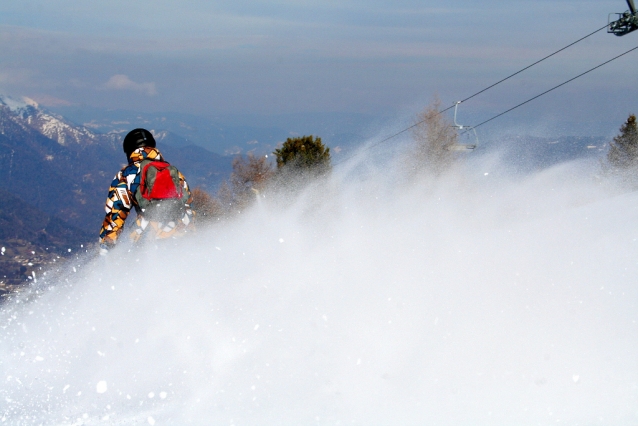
<point>626,22</point>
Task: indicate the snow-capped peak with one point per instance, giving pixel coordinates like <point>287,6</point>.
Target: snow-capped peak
<point>28,113</point>
<point>17,105</point>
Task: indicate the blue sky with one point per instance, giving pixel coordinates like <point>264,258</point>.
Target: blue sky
<point>378,57</point>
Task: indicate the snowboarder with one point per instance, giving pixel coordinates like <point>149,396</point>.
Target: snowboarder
<point>155,189</point>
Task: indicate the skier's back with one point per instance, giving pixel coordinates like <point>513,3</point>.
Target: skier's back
<point>149,185</point>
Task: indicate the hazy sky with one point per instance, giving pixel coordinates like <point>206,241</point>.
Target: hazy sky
<point>379,57</point>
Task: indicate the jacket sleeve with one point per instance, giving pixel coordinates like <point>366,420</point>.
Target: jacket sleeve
<point>118,206</point>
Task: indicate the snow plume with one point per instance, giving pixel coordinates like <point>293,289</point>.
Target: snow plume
<point>370,298</point>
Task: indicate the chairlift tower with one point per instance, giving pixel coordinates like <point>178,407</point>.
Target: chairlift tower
<point>625,22</point>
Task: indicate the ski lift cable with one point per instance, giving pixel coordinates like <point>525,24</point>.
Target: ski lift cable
<point>382,141</point>
<point>483,90</point>
<point>556,87</point>
<point>531,65</point>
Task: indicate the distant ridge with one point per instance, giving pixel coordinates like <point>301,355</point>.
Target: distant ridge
<point>529,153</point>
<point>32,240</point>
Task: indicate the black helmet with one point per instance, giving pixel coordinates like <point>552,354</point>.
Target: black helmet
<point>137,138</point>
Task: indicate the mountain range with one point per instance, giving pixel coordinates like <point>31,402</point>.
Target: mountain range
<point>229,134</point>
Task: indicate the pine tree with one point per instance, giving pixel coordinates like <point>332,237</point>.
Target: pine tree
<point>623,150</point>
<point>305,153</point>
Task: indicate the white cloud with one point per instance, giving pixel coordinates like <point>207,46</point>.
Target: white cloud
<point>122,82</point>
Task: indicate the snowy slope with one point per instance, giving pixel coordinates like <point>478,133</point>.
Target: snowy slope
<point>371,298</point>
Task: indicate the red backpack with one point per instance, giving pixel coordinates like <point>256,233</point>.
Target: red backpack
<point>160,194</point>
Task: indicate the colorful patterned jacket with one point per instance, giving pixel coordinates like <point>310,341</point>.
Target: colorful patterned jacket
<point>121,200</point>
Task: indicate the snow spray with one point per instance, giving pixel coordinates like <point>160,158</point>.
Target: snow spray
<point>372,297</point>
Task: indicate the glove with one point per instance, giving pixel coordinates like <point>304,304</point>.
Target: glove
<point>104,249</point>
